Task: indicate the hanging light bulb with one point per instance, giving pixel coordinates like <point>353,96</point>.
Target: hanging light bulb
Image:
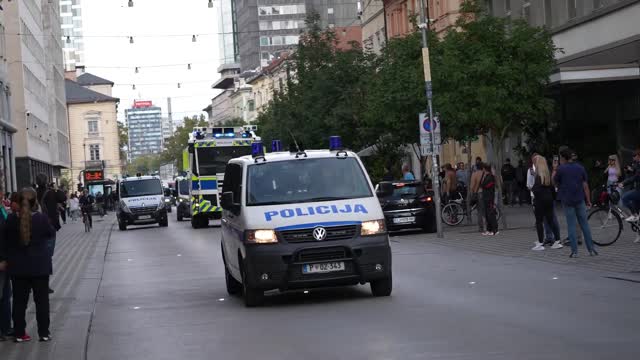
<point>130,3</point>
<point>193,38</point>
<point>188,66</point>
<point>137,71</point>
<point>134,86</point>
<point>179,85</point>
<point>210,4</point>
<point>68,39</point>
<point>130,39</point>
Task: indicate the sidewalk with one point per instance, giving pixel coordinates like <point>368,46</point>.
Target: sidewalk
<point>74,259</point>
<point>517,241</point>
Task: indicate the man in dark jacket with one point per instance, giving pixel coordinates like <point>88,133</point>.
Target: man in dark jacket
<point>509,179</point>
<point>631,199</point>
<point>48,201</point>
<point>5,283</point>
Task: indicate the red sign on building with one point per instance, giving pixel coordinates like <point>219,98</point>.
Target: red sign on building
<point>141,104</point>
<point>96,175</point>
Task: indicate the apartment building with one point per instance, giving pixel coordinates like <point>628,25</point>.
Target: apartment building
<point>36,74</point>
<point>7,128</point>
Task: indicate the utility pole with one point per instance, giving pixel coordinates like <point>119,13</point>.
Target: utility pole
<point>427,83</point>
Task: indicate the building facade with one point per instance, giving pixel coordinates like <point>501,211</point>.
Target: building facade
<point>270,28</point>
<point>7,128</point>
<point>36,74</point>
<point>228,31</point>
<point>71,17</point>
<point>373,26</point>
<point>144,121</point>
<point>94,126</point>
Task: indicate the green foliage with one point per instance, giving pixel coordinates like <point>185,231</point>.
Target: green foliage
<point>328,94</point>
<point>233,122</point>
<point>178,141</point>
<point>123,136</point>
<point>147,164</point>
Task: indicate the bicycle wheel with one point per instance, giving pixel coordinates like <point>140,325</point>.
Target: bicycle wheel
<point>606,226</point>
<point>452,214</point>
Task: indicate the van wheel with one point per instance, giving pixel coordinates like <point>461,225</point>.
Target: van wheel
<point>195,222</point>
<point>164,223</point>
<point>252,297</point>
<point>179,215</point>
<point>122,226</point>
<point>382,287</point>
<point>233,286</point>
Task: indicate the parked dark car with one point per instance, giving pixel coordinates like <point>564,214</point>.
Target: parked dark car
<point>407,205</point>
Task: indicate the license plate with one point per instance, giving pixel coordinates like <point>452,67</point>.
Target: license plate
<point>144,217</point>
<point>404,220</point>
<point>323,267</point>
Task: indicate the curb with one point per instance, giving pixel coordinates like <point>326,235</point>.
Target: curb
<point>73,339</point>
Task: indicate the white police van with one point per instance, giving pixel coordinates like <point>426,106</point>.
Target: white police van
<point>303,219</point>
<point>140,202</point>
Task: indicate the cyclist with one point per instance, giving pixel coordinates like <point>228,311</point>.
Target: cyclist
<point>86,203</point>
<point>631,199</point>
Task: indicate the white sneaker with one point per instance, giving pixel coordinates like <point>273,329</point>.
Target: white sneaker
<point>557,245</point>
<point>538,247</point>
<point>632,218</point>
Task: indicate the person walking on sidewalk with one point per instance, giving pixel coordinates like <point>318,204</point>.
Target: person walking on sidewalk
<point>5,280</point>
<point>488,185</point>
<point>543,204</point>
<point>74,207</point>
<point>631,199</point>
<point>573,191</point>
<point>476,194</point>
<point>508,174</point>
<point>29,263</point>
<point>48,201</point>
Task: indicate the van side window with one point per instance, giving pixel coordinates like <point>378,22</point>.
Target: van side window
<point>233,180</point>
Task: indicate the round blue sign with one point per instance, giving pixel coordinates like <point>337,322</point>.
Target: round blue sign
<point>426,125</point>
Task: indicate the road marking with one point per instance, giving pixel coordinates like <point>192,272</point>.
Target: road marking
<point>555,278</point>
<point>136,308</point>
<point>472,282</point>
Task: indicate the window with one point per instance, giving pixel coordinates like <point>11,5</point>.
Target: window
<point>94,152</point>
<point>526,12</point>
<point>548,20</point>
<point>92,125</point>
<point>251,105</point>
<point>330,11</point>
<point>276,40</point>
<point>233,181</point>
<point>571,7</point>
<point>264,41</point>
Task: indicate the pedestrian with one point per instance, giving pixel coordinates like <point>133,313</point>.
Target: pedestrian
<point>476,195</point>
<point>449,184</point>
<point>406,173</point>
<point>521,182</point>
<point>61,197</point>
<point>5,281</point>
<point>74,207</point>
<point>573,191</point>
<point>48,202</point>
<point>631,199</point>
<point>28,233</point>
<point>508,174</point>
<point>543,204</point>
<point>488,185</point>
<point>462,178</point>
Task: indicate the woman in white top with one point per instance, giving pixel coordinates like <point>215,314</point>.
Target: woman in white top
<point>614,174</point>
<point>74,207</point>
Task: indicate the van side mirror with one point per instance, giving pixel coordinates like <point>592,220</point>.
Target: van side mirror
<point>228,202</point>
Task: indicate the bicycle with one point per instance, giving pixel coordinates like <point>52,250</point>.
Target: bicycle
<point>453,213</point>
<point>606,220</point>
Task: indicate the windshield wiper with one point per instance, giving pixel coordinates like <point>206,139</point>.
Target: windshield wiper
<point>327,198</point>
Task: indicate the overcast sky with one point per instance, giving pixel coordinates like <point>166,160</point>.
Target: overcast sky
<point>154,25</point>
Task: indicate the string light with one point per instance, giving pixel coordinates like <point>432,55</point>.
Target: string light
<point>210,4</point>
<point>193,38</point>
<point>133,87</point>
<point>130,3</point>
<point>130,39</point>
<point>188,66</point>
<point>179,85</point>
<point>137,71</point>
<point>68,39</point>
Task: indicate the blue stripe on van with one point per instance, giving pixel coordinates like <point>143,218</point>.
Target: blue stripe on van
<point>206,185</point>
<point>312,225</point>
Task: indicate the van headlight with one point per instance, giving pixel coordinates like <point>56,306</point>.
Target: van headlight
<point>161,205</point>
<point>262,236</point>
<point>124,207</point>
<point>372,227</point>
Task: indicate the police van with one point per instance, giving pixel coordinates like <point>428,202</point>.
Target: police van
<point>302,219</point>
<point>140,202</point>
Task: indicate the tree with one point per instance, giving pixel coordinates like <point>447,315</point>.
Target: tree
<point>175,144</point>
<point>491,75</point>
<point>123,136</point>
<point>146,164</point>
<point>327,96</point>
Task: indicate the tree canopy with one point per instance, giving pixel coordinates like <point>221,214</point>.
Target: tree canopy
<point>178,141</point>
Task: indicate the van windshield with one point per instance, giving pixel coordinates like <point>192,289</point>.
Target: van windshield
<point>183,187</point>
<point>308,180</point>
<point>140,188</point>
<point>213,160</point>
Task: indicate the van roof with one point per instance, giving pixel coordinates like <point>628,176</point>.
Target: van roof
<point>285,155</point>
<point>134,178</point>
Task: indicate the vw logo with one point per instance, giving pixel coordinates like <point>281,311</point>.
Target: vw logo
<point>142,204</point>
<point>319,233</point>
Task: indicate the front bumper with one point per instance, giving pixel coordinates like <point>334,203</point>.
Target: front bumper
<point>141,218</point>
<point>425,218</point>
<point>365,259</point>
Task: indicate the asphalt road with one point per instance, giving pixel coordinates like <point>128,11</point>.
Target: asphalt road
<point>163,296</point>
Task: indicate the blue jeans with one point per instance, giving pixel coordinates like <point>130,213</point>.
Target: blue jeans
<point>578,214</point>
<point>631,200</point>
<point>5,303</point>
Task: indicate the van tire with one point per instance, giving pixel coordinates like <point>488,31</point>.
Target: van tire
<point>382,287</point>
<point>233,286</point>
<point>178,215</point>
<point>122,226</point>
<point>195,222</point>
<point>252,297</point>
<point>164,223</point>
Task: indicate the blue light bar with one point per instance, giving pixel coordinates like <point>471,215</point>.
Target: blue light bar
<point>335,143</point>
<point>217,135</point>
<point>257,149</point>
<point>276,145</point>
